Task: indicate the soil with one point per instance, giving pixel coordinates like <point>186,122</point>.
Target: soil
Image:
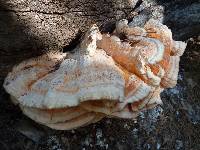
<point>173,125</point>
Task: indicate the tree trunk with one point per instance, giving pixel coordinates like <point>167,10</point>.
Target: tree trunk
<point>29,28</point>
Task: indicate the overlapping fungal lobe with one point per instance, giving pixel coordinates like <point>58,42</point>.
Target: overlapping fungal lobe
<point>109,75</point>
<point>76,90</point>
<point>149,52</point>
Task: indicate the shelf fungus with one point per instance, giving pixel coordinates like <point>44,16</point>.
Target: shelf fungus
<point>108,75</point>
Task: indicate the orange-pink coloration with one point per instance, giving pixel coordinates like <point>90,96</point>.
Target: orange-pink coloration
<point>109,75</point>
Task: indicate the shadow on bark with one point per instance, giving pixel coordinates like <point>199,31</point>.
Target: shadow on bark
<point>19,40</point>
<point>182,17</point>
<point>16,40</point>
<point>22,36</point>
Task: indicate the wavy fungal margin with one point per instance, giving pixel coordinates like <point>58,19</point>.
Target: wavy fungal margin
<point>109,75</point>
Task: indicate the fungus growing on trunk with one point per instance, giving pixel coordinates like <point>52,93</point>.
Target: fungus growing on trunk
<point>109,75</point>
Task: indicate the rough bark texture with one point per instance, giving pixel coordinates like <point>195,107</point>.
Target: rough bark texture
<point>29,28</point>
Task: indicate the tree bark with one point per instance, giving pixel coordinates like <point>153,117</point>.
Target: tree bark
<point>29,28</point>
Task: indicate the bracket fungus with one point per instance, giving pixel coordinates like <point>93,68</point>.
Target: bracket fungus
<point>108,75</point>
